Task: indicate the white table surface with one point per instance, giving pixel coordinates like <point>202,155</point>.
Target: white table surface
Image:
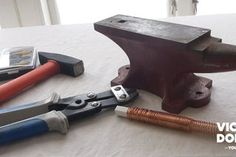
<point>105,134</point>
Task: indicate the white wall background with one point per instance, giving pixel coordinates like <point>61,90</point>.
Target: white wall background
<point>20,13</point>
<point>207,7</point>
<point>8,14</point>
<point>89,11</point>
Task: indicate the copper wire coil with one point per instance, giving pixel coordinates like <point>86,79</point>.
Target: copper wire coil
<point>172,121</point>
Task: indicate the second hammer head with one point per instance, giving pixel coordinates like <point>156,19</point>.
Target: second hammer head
<point>68,65</point>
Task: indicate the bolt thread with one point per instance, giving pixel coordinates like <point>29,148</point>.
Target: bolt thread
<point>172,121</point>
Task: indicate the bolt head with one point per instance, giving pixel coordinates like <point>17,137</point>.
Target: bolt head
<point>123,96</point>
<point>91,95</point>
<point>117,88</point>
<point>95,104</point>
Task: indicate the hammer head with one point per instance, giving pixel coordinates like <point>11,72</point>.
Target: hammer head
<point>68,65</point>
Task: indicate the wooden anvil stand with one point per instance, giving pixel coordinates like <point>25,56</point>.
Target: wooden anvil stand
<point>164,57</point>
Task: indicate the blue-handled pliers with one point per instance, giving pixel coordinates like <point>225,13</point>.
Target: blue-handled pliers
<point>55,114</point>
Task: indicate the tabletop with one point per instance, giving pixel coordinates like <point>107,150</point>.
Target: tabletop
<point>105,134</point>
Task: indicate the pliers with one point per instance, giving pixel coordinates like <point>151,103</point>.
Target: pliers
<point>55,114</point>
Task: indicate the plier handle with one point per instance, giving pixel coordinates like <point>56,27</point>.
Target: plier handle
<point>55,114</point>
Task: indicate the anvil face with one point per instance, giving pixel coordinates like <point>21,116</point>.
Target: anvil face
<point>164,57</point>
<point>158,29</point>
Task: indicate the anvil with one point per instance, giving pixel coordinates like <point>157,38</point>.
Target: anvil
<point>164,57</point>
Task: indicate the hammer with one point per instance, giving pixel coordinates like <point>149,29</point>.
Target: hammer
<point>51,64</point>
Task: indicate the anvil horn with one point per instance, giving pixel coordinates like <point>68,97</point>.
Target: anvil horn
<point>220,57</point>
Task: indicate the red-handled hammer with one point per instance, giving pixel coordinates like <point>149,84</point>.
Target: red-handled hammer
<point>52,64</point>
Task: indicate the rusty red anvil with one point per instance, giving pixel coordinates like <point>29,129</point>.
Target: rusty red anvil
<point>164,57</point>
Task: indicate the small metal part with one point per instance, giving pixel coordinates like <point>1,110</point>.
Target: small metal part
<point>95,104</point>
<point>121,111</point>
<point>120,93</point>
<point>91,95</point>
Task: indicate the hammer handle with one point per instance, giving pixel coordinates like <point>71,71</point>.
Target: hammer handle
<point>14,87</point>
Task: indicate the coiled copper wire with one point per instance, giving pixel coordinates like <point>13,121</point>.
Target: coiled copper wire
<point>172,121</point>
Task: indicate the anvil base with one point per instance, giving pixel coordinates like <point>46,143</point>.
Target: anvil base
<point>191,90</point>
